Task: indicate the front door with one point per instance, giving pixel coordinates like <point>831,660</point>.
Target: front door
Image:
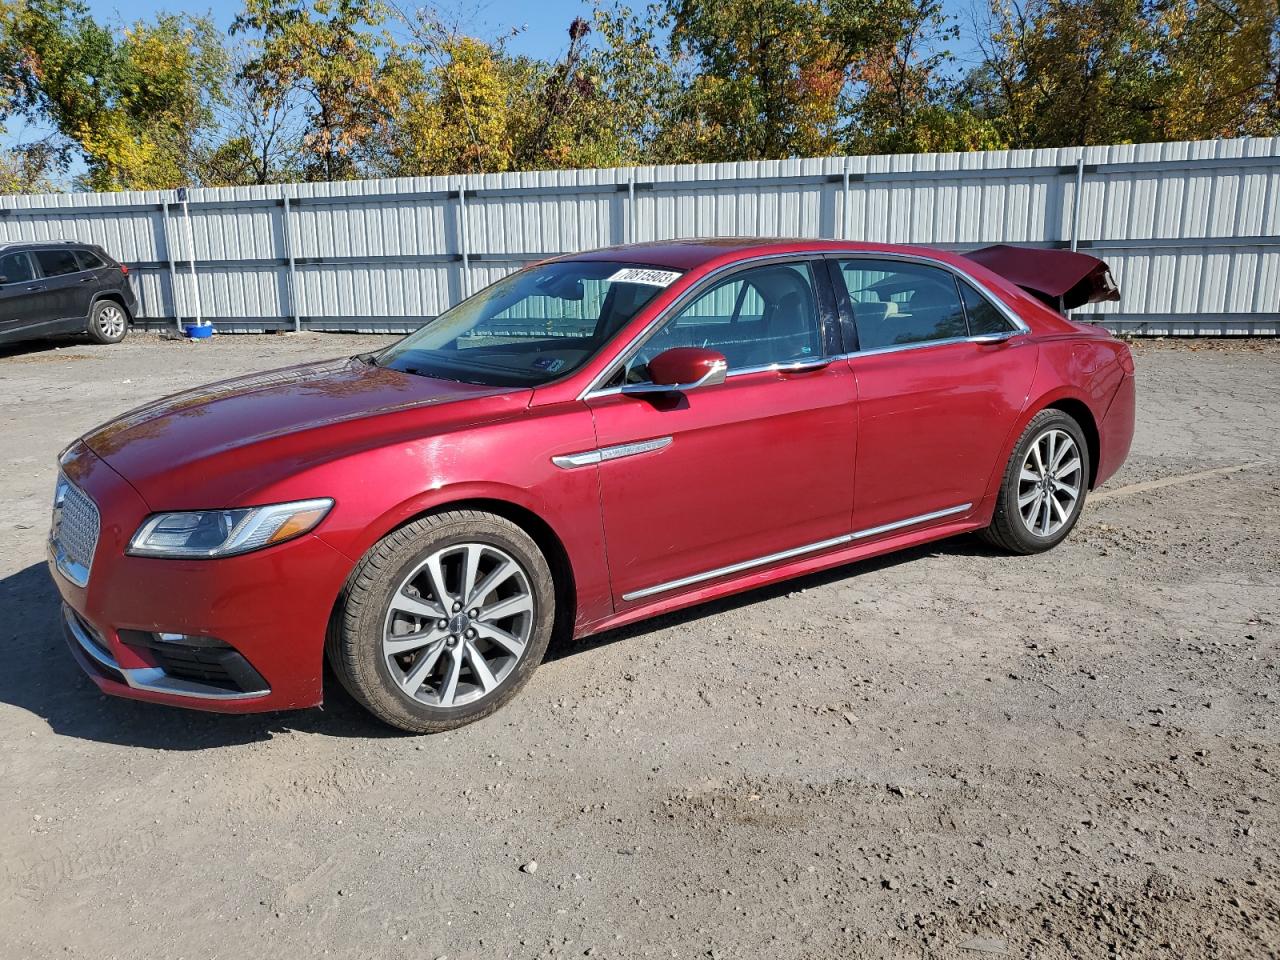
<point>936,403</point>
<point>727,477</point>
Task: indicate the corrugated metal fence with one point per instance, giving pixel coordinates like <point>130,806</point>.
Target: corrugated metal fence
<point>1191,230</point>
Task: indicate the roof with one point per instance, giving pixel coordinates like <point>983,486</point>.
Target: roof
<point>685,254</point>
<point>11,244</point>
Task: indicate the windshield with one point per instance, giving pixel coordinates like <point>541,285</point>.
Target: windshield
<point>536,325</point>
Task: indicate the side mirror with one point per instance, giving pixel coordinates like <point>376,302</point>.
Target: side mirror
<point>3,279</point>
<point>681,369</point>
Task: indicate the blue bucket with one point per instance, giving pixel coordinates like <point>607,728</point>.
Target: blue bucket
<point>198,331</point>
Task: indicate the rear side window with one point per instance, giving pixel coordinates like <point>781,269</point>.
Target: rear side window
<point>983,316</point>
<point>896,303</point>
<point>16,268</point>
<point>54,263</point>
<point>90,260</point>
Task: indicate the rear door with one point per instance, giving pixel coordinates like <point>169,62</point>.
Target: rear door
<point>720,479</point>
<point>97,275</point>
<point>23,300</point>
<point>68,286</point>
<point>936,402</point>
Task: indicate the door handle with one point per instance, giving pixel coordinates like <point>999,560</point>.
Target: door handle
<point>999,337</point>
<point>803,366</point>
<point>86,279</point>
<point>36,288</point>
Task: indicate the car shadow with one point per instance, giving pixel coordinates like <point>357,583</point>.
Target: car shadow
<point>42,679</point>
<point>968,545</point>
<point>34,347</point>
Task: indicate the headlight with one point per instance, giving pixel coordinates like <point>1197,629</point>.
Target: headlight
<point>222,533</point>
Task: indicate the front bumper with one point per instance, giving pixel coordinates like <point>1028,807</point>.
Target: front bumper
<point>234,635</point>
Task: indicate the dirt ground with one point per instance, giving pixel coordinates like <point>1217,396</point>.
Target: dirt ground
<point>946,754</point>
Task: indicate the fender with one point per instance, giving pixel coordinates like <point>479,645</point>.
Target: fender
<point>1064,363</point>
<point>113,295</point>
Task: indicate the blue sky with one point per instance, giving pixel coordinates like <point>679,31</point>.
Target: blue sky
<point>544,25</point>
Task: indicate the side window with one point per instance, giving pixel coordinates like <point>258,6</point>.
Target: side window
<point>896,303</point>
<point>90,260</point>
<point>54,263</point>
<point>756,318</point>
<point>983,316</point>
<point>16,268</point>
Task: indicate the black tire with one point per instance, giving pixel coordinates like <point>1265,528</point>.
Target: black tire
<point>108,322</point>
<point>355,641</point>
<point>1009,530</point>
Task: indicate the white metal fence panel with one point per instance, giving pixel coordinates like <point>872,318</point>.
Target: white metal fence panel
<point>1191,230</point>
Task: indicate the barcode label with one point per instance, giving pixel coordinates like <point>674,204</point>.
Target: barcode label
<point>652,278</point>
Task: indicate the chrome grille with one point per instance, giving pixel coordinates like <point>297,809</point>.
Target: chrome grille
<point>75,531</point>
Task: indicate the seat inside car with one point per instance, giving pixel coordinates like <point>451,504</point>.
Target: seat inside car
<point>787,327</point>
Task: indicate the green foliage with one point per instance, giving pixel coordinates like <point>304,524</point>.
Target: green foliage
<point>767,75</point>
<point>337,56</point>
<point>332,89</point>
<point>133,106</point>
<point>905,101</point>
<point>1064,72</point>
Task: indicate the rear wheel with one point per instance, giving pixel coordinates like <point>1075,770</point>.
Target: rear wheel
<point>1044,485</point>
<point>444,621</point>
<point>108,322</point>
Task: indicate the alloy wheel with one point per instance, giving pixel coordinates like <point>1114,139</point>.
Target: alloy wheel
<point>458,624</point>
<point>111,321</point>
<point>1050,482</point>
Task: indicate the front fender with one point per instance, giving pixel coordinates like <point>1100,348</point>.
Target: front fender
<point>376,491</point>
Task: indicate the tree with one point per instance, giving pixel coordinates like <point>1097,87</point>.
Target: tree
<point>258,142</point>
<point>479,109</point>
<point>133,107</point>
<point>767,75</point>
<point>640,87</point>
<point>1223,64</point>
<point>336,56</point>
<point>1065,72</point>
<point>904,101</point>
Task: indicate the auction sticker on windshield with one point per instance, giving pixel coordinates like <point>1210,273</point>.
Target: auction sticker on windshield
<point>653,278</point>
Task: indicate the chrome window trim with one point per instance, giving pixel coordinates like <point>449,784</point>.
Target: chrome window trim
<point>591,391</point>
<point>745,565</point>
<point>569,461</point>
<point>788,367</point>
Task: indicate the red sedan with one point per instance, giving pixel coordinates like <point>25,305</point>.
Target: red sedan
<point>590,441</point>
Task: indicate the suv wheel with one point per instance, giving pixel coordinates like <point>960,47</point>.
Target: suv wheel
<point>108,323</point>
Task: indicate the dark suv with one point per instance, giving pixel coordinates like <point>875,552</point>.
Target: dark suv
<point>63,287</point>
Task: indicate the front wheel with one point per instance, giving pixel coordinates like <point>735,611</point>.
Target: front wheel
<point>443,621</point>
<point>108,323</point>
<point>1044,485</point>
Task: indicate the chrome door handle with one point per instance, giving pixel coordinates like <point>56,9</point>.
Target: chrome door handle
<point>36,288</point>
<point>1000,337</point>
<point>86,279</point>
<point>802,366</point>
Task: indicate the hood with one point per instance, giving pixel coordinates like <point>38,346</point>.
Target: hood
<point>1061,278</point>
<point>255,429</point>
